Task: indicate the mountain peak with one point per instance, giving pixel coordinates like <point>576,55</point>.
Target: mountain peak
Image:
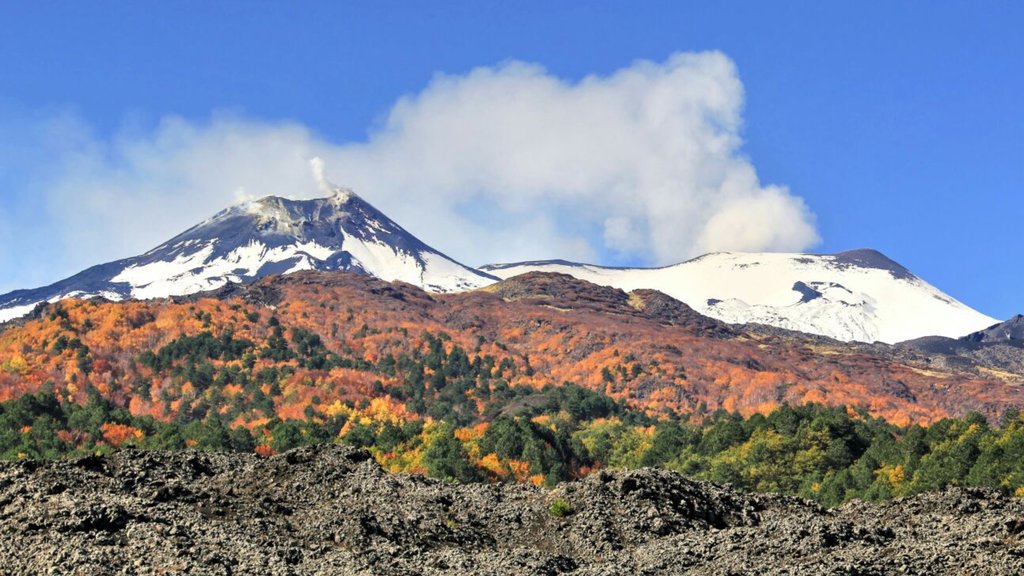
<point>337,197</point>
<point>340,195</point>
<point>331,195</point>
<point>871,258</point>
<point>270,235</point>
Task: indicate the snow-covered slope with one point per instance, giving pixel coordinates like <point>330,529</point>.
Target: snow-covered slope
<point>268,236</point>
<point>858,295</point>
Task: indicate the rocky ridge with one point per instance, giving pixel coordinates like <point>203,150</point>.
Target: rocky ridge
<point>333,510</point>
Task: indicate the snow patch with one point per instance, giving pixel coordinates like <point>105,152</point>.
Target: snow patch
<point>442,274</point>
<point>8,314</point>
<point>198,271</point>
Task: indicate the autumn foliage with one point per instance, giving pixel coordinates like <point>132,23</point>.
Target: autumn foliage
<point>427,381</point>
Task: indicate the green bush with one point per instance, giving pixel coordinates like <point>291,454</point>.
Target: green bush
<point>560,508</point>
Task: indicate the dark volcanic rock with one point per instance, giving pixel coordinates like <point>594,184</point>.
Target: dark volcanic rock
<point>332,510</point>
<point>999,347</point>
<point>868,258</point>
<point>1010,331</point>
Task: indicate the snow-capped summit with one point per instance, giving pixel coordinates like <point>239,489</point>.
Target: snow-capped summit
<point>858,295</point>
<point>271,235</point>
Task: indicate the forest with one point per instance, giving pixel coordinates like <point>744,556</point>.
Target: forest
<point>477,389</point>
<point>452,415</point>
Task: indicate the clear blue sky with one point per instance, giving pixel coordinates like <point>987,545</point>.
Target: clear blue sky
<point>899,123</point>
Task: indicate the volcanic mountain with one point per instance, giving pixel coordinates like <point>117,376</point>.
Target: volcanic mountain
<point>268,236</point>
<point>860,295</point>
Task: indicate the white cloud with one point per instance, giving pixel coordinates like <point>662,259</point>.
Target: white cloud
<point>502,163</point>
<point>647,160</point>
<point>119,198</point>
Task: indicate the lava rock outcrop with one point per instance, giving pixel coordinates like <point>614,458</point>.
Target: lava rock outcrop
<point>333,510</point>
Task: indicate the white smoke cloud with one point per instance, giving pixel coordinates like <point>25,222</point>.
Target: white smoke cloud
<point>503,163</point>
<point>646,160</point>
<point>322,184</point>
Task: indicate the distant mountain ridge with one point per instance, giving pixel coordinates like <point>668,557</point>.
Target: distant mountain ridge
<point>858,295</point>
<point>272,235</point>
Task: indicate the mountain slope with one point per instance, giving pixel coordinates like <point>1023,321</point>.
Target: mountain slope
<point>995,351</point>
<point>352,330</point>
<point>859,295</point>
<point>268,236</point>
<point>1011,331</point>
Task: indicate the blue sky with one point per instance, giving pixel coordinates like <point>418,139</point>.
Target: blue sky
<point>896,125</point>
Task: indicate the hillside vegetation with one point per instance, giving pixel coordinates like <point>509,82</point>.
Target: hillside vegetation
<point>540,379</point>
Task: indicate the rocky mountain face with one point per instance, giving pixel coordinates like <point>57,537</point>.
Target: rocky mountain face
<point>333,510</point>
<point>1009,332</point>
<point>996,351</point>
<point>860,295</point>
<point>255,239</point>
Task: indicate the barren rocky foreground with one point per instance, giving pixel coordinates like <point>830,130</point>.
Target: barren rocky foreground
<point>333,510</point>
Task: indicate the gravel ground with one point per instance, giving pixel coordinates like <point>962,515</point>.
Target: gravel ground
<point>332,510</point>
